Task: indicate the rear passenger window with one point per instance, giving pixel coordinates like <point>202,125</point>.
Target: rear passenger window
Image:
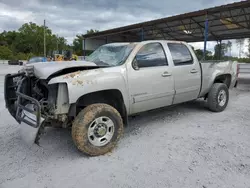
<point>180,54</point>
<point>151,55</point>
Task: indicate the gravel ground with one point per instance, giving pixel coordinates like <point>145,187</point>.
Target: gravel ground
<point>181,146</point>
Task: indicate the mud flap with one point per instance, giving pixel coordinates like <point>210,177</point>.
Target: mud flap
<point>28,133</point>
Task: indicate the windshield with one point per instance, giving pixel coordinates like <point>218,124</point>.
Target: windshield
<point>111,54</point>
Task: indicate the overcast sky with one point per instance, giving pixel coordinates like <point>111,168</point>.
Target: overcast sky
<point>68,17</point>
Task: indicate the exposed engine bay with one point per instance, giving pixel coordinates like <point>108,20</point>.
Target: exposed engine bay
<point>50,101</point>
<point>31,87</point>
<point>36,99</point>
<point>33,101</point>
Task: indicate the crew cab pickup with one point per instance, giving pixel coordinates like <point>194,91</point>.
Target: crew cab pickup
<point>95,97</point>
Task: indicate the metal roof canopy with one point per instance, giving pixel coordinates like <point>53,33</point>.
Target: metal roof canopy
<point>231,21</point>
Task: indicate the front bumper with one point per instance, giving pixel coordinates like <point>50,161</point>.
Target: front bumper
<point>16,99</point>
<point>25,109</point>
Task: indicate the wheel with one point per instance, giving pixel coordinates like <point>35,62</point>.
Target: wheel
<point>97,129</point>
<point>218,97</point>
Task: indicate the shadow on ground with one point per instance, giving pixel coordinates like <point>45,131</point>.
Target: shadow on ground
<point>60,141</point>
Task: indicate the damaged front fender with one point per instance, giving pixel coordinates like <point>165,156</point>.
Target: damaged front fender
<point>84,82</point>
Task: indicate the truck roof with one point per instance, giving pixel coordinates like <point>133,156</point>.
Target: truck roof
<point>143,42</point>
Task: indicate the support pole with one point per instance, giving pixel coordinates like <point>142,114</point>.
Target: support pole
<point>142,34</point>
<point>44,40</point>
<point>205,38</point>
<point>219,49</point>
<point>57,49</point>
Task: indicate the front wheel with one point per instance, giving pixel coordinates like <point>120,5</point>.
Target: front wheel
<point>97,129</point>
<point>218,97</point>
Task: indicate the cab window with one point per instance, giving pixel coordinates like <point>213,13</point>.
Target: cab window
<point>151,55</point>
<point>180,54</point>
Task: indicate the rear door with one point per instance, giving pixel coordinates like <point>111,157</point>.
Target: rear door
<point>186,72</point>
<point>150,79</point>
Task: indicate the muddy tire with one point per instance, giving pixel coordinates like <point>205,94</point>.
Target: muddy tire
<point>97,129</point>
<point>218,97</point>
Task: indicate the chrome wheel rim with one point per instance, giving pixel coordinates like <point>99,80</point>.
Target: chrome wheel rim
<point>101,131</point>
<point>222,98</point>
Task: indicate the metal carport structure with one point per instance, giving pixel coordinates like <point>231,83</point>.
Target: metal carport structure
<point>231,21</point>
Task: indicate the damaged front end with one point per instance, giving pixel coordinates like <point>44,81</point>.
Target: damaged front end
<point>35,104</point>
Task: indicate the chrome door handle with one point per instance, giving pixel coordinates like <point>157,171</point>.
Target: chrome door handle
<point>193,71</point>
<point>166,74</point>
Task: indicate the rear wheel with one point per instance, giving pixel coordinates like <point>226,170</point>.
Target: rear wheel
<point>218,97</point>
<point>97,129</point>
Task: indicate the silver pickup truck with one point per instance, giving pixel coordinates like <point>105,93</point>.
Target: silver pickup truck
<point>95,97</point>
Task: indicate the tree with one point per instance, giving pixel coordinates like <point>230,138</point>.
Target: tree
<point>248,49</point>
<point>229,47</point>
<point>91,31</point>
<point>240,43</point>
<point>33,39</point>
<point>199,53</point>
<point>29,39</point>
<point>5,53</point>
<point>220,50</point>
<point>21,56</point>
<point>9,38</point>
<point>77,42</point>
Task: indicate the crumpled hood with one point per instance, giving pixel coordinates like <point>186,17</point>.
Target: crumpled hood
<point>43,70</point>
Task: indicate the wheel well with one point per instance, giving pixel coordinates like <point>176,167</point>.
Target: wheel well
<point>225,78</point>
<point>112,97</point>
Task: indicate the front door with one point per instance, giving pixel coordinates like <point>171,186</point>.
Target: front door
<point>150,79</point>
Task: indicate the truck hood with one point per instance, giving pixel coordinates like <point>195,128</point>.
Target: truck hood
<point>44,70</point>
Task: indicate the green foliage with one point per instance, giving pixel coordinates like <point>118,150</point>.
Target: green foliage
<point>228,48</point>
<point>91,31</point>
<point>78,45</point>
<point>5,53</point>
<point>220,50</point>
<point>241,60</point>
<point>29,39</point>
<point>199,54</point>
<point>21,56</point>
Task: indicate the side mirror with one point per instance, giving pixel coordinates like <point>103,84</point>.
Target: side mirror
<point>135,64</point>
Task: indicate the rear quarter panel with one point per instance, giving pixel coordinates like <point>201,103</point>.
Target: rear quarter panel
<point>211,70</point>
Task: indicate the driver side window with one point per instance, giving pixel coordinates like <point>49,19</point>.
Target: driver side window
<point>151,55</point>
